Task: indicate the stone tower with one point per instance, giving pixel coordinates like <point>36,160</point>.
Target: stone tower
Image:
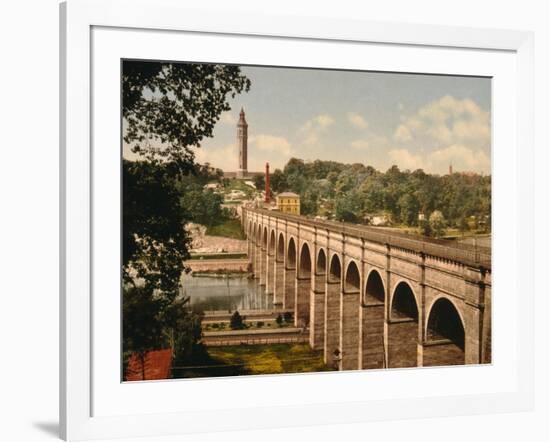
<point>242,144</point>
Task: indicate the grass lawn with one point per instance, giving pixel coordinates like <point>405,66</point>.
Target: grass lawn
<point>238,360</point>
<point>230,228</point>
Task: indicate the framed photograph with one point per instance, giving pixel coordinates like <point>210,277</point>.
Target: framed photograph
<point>312,219</point>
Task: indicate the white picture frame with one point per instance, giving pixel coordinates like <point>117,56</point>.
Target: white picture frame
<point>81,415</point>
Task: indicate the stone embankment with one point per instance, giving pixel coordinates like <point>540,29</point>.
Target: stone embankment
<point>285,335</point>
<point>218,266</point>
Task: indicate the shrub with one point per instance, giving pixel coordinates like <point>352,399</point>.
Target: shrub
<point>260,324</point>
<point>279,320</point>
<point>236,322</point>
<point>288,316</point>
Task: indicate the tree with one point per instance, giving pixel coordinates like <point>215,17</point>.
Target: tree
<point>141,328</point>
<point>408,209</point>
<point>425,228</point>
<point>202,206</point>
<point>437,223</point>
<point>236,321</point>
<point>277,181</point>
<point>463,225</point>
<point>170,107</point>
<point>347,207</point>
<point>182,329</point>
<point>259,182</point>
<point>154,243</point>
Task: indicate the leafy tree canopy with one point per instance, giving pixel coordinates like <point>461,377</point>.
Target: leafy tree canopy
<point>169,108</point>
<point>350,192</point>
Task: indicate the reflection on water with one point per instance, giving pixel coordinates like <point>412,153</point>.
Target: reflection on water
<point>227,293</point>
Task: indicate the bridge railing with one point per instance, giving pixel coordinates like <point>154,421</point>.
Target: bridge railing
<point>459,252</point>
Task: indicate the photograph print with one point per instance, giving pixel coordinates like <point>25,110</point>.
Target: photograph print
<point>281,220</point>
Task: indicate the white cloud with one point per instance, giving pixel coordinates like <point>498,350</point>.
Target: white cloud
<point>449,130</point>
<point>271,143</point>
<point>461,157</point>
<point>445,122</point>
<point>405,159</point>
<point>402,133</point>
<point>312,129</point>
<point>225,157</point>
<point>357,120</point>
<point>360,144</point>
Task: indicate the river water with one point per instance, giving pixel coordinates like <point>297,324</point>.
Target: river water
<point>225,293</point>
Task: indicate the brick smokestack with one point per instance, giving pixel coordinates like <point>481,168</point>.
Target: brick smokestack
<point>267,189</point>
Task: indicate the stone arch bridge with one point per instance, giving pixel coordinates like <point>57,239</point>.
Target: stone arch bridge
<point>371,299</point>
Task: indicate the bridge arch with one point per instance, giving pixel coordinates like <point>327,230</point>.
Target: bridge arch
<point>375,289</point>
<point>333,350</point>
<point>352,280</point>
<point>305,261</point>
<point>291,254</point>
<point>443,305</point>
<point>281,247</point>
<point>303,287</point>
<point>258,234</point>
<point>444,323</point>
<point>373,352</point>
<point>321,262</point>
<point>350,317</point>
<point>264,238</point>
<point>403,327</point>
<point>403,301</point>
<point>272,242</point>
<point>318,299</point>
<point>335,269</point>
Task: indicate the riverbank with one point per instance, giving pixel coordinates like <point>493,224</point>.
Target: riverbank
<point>218,266</point>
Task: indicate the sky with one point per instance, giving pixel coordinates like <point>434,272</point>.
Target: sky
<point>375,118</point>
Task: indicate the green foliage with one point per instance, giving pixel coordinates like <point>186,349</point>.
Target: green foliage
<point>279,320</point>
<point>288,316</point>
<point>351,192</point>
<point>151,322</point>
<point>154,243</point>
<point>202,206</point>
<point>228,228</point>
<point>237,321</point>
<point>170,107</point>
<point>182,329</point>
<point>277,181</point>
<point>259,182</point>
<point>425,228</point>
<point>141,325</point>
<point>437,223</point>
<point>238,360</point>
<point>463,225</point>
